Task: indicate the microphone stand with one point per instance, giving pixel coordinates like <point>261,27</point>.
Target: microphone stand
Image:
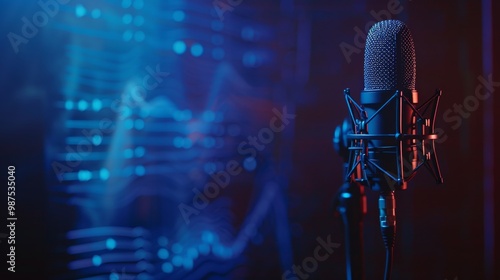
<point>351,204</point>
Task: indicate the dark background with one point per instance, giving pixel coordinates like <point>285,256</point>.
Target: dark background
<point>444,231</point>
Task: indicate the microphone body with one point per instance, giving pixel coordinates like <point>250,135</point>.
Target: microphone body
<point>389,68</point>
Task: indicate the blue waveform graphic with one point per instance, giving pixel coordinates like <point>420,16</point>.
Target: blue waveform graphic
<point>157,100</point>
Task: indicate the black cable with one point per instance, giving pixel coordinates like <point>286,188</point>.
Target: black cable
<point>387,208</point>
<point>388,234</point>
<point>388,263</point>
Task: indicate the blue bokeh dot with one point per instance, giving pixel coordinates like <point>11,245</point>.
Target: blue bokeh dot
<point>178,16</point>
<point>179,47</point>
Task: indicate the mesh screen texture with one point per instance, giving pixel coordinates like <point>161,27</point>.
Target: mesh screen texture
<point>389,57</point>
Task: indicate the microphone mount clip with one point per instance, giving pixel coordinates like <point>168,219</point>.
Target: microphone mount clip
<point>419,137</point>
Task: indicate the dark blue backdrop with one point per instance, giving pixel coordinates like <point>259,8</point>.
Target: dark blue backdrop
<point>192,139</point>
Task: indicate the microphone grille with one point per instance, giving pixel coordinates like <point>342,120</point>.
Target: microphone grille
<point>389,57</point>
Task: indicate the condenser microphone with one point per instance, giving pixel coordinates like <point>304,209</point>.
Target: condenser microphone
<point>391,136</point>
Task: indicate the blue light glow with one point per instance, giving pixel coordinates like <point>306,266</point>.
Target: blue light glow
<point>196,50</point>
<point>126,4</point>
<point>250,164</point>
<point>145,112</point>
<point>209,116</point>
<point>188,263</point>
<point>128,124</point>
<point>167,267</point>
<point>96,105</point>
<point>96,260</point>
<point>187,115</point>
<point>204,249</point>
<point>178,116</point>
<point>84,175</point>
<point>177,261</point>
<point>227,252</point>
<point>223,251</point>
<point>163,254</point>
<point>127,18</point>
<point>179,47</point>
<point>346,195</point>
<point>248,33</point>
<point>114,276</point>
<point>177,248</point>
<point>128,153</point>
<point>96,13</point>
<point>178,142</point>
<point>192,253</point>
<point>139,124</point>
<point>218,250</point>
<point>140,170</point>
<point>80,11</point>
<point>104,174</point>
<point>178,16</point>
<point>208,237</point>
<point>68,105</point>
<point>128,171</point>
<point>250,59</point>
<point>82,105</point>
<point>140,151</point>
<point>187,143</point>
<point>126,112</point>
<point>127,35</point>
<point>110,243</point>
<point>97,140</point>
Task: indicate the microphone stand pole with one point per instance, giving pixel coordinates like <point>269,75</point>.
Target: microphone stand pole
<point>351,204</point>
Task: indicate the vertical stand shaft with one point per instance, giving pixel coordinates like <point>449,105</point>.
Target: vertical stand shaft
<point>352,207</point>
